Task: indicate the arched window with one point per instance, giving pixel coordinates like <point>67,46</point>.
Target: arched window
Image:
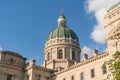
<point>48,56</point>
<point>73,55</point>
<point>60,54</point>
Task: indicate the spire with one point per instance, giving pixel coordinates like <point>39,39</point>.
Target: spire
<point>61,21</point>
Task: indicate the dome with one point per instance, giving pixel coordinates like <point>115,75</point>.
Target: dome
<point>114,6</point>
<point>62,31</point>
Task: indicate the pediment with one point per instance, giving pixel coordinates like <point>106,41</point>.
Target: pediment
<point>115,33</point>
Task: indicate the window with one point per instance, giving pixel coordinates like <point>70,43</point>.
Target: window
<point>38,77</point>
<point>60,55</point>
<point>48,56</point>
<point>73,55</point>
<point>104,69</point>
<point>9,77</point>
<point>27,77</point>
<point>118,12</point>
<point>72,78</point>
<point>92,73</point>
<point>81,76</point>
<point>64,79</point>
<point>47,78</point>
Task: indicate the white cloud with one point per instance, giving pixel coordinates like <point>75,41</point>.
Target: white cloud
<point>98,7</point>
<point>87,50</point>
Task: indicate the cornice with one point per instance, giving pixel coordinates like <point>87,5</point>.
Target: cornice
<point>39,68</point>
<point>66,45</point>
<point>57,61</point>
<point>62,44</point>
<point>64,41</point>
<point>112,11</point>
<point>11,67</point>
<point>88,61</point>
<point>12,53</point>
<point>111,22</point>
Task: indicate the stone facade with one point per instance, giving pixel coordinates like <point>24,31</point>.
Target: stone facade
<point>62,55</point>
<point>112,27</point>
<point>11,65</point>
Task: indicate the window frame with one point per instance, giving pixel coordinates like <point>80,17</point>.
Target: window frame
<point>81,76</point>
<point>104,69</point>
<point>48,56</point>
<point>60,54</point>
<point>64,79</point>
<point>73,55</point>
<point>72,77</point>
<point>9,77</point>
<point>38,77</point>
<point>92,73</point>
<point>27,77</point>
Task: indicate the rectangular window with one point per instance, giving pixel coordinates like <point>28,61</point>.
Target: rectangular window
<point>27,77</point>
<point>9,77</point>
<point>81,76</point>
<point>104,69</point>
<point>64,79</point>
<point>92,73</point>
<point>38,77</point>
<point>73,55</point>
<point>72,78</point>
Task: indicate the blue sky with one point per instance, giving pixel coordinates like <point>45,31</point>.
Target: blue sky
<point>25,25</point>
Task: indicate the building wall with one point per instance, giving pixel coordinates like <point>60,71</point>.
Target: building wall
<point>11,64</point>
<point>67,46</point>
<point>112,27</point>
<point>95,63</point>
<point>34,72</point>
<point>17,74</point>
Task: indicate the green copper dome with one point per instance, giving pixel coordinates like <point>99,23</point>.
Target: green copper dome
<point>62,32</point>
<point>114,6</point>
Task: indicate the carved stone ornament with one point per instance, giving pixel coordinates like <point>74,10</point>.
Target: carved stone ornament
<point>11,60</point>
<point>117,36</point>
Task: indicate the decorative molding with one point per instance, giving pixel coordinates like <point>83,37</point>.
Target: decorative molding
<point>115,34</point>
<point>11,67</point>
<point>88,61</point>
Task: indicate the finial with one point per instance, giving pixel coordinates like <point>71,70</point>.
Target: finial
<point>61,19</point>
<point>62,9</point>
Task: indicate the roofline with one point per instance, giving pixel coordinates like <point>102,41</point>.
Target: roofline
<point>12,53</point>
<point>114,6</point>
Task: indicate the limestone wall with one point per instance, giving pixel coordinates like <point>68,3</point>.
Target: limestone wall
<point>85,67</point>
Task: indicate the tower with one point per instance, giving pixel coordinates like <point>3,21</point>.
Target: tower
<point>112,26</point>
<point>62,46</point>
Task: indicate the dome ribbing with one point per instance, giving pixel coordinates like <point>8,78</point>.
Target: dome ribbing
<point>62,32</point>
